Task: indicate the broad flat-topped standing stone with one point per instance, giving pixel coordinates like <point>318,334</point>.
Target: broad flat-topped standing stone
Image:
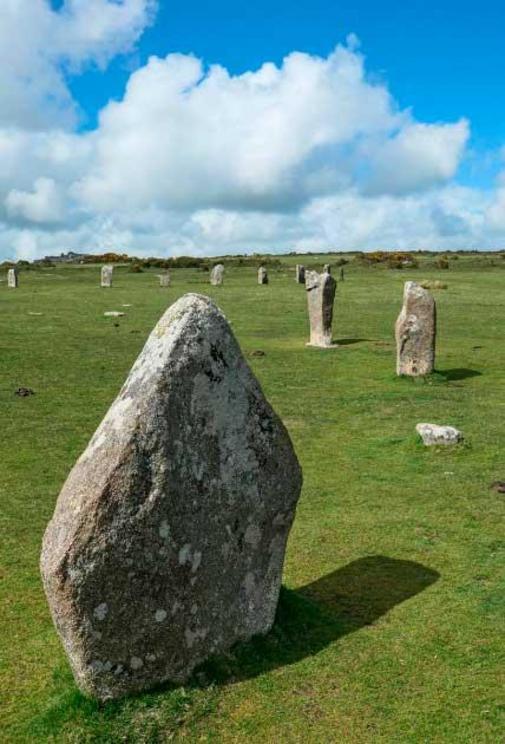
<point>262,275</point>
<point>106,276</point>
<point>320,297</point>
<point>12,278</point>
<point>300,274</point>
<point>416,332</point>
<point>164,279</point>
<point>168,538</point>
<point>216,275</point>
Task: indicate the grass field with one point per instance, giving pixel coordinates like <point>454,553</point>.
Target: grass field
<point>391,624</point>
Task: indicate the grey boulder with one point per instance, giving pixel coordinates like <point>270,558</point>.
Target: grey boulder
<point>435,434</point>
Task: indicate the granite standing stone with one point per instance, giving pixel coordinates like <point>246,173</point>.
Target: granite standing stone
<point>262,275</point>
<point>164,280</point>
<point>12,278</point>
<point>320,297</point>
<point>327,269</point>
<point>106,276</point>
<point>167,542</point>
<point>300,274</point>
<point>216,275</point>
<point>416,332</point>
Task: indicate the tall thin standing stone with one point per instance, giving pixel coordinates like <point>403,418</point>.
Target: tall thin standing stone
<point>106,276</point>
<point>262,275</point>
<point>216,275</point>
<point>327,269</point>
<point>415,332</point>
<point>12,278</point>
<point>165,279</point>
<point>167,542</point>
<point>320,297</point>
<point>300,274</point>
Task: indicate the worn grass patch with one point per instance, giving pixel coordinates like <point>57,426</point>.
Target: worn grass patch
<point>391,623</point>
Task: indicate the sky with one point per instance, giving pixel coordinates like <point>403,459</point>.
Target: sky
<point>158,128</point>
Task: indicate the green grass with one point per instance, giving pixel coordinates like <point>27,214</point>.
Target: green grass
<point>391,623</point>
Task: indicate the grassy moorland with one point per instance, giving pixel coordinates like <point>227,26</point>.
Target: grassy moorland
<point>392,617</point>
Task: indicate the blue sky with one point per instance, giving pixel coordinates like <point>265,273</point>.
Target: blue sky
<point>391,141</point>
<point>442,58</point>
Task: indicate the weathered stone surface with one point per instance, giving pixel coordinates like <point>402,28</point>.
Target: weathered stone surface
<point>216,275</point>
<point>12,278</point>
<point>300,274</point>
<point>416,332</point>
<point>435,434</point>
<point>106,276</point>
<point>164,279</point>
<point>262,275</point>
<point>320,297</point>
<point>168,538</point>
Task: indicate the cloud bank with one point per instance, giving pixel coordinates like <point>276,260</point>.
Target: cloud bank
<point>309,155</point>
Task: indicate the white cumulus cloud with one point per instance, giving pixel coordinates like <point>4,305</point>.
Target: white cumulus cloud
<point>310,154</point>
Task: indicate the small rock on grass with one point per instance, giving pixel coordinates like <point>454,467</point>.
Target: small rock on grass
<point>434,434</point>
<point>113,314</point>
<point>24,392</point>
<point>498,486</point>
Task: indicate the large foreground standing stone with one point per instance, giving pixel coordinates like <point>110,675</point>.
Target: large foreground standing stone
<point>416,332</point>
<point>216,275</point>
<point>262,275</point>
<point>106,276</point>
<point>320,297</point>
<point>168,538</point>
<point>12,278</point>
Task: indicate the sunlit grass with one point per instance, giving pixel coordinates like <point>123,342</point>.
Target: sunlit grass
<point>391,624</point>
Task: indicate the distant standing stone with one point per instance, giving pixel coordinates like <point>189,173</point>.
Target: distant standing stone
<point>12,278</point>
<point>216,275</point>
<point>435,434</point>
<point>300,274</point>
<point>262,275</point>
<point>168,538</point>
<point>106,276</point>
<point>164,280</point>
<point>342,274</point>
<point>327,269</point>
<point>320,297</point>
<point>415,332</point>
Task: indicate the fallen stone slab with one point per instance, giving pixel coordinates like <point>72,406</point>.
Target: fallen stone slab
<point>113,314</point>
<point>435,434</point>
<point>167,542</point>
